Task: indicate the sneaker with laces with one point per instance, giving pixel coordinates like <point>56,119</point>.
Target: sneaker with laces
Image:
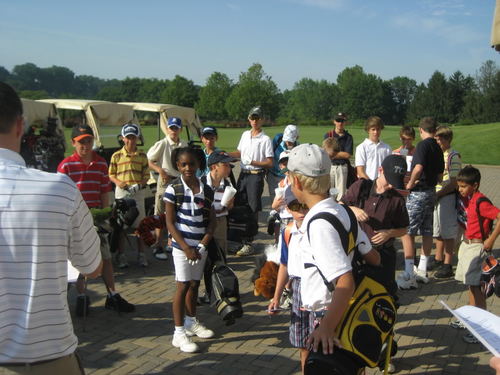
<point>457,324</point>
<point>121,259</point>
<point>184,343</point>
<point>82,306</point>
<point>141,259</point>
<point>421,276</point>
<point>406,282</point>
<point>160,254</point>
<point>198,329</point>
<point>118,303</point>
<point>444,272</point>
<point>246,249</point>
<point>469,338</point>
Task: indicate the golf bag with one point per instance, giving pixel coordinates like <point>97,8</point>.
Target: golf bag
<point>241,224</point>
<point>225,293</point>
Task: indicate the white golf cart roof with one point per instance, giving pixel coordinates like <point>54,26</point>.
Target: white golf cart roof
<point>188,116</point>
<point>35,111</point>
<point>98,114</point>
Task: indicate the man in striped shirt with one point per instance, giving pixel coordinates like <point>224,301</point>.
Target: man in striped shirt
<point>90,173</point>
<point>45,222</point>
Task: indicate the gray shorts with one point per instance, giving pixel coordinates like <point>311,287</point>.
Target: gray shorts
<point>420,206</point>
<point>445,218</point>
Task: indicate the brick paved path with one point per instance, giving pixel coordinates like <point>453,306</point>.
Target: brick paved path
<point>140,343</point>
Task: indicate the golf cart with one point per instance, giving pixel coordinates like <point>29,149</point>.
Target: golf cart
<point>105,119</point>
<point>43,143</point>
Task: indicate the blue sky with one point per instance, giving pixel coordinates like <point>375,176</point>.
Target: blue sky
<point>292,39</point>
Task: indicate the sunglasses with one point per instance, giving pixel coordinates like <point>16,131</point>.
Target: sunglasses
<point>340,120</point>
<point>296,206</point>
<point>254,117</point>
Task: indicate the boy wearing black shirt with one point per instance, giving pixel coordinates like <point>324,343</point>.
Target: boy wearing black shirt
<point>426,170</point>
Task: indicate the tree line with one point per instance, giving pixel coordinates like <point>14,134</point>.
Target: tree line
<point>400,100</point>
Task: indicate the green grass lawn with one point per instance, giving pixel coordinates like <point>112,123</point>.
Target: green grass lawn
<point>478,144</point>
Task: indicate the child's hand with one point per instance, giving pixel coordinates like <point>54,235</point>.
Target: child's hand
<point>360,214</point>
<point>192,255</point>
<point>273,307</point>
<point>488,244</point>
<point>325,336</point>
<point>380,237</point>
<point>122,185</point>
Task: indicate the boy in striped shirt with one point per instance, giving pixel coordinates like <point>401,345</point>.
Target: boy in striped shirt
<point>129,171</point>
<point>90,173</point>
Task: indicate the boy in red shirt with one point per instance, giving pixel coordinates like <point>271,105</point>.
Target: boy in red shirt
<point>477,239</point>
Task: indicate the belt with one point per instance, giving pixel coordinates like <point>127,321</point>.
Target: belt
<point>31,364</point>
<point>252,171</point>
<point>472,240</point>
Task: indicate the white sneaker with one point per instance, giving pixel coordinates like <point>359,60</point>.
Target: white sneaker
<point>184,343</point>
<point>122,260</point>
<point>406,282</point>
<point>199,330</point>
<point>246,249</point>
<point>421,276</point>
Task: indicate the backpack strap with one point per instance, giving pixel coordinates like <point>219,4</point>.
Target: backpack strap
<point>484,235</point>
<point>287,233</point>
<point>451,155</point>
<point>364,192</point>
<point>348,239</point>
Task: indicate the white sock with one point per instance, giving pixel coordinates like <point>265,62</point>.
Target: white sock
<point>189,320</point>
<point>179,330</point>
<point>409,263</point>
<point>422,265</point>
<point>112,293</point>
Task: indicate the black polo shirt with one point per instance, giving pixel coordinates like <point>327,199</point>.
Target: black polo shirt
<point>345,142</point>
<point>430,156</point>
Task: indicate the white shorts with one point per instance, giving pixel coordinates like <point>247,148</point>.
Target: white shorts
<point>184,271</point>
<point>445,224</point>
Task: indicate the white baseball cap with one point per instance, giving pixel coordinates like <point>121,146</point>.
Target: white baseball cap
<point>291,133</point>
<point>309,160</point>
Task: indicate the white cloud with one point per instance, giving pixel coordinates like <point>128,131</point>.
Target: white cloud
<point>324,4</point>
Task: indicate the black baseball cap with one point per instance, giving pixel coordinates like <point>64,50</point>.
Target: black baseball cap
<point>219,157</point>
<point>341,116</point>
<point>81,131</point>
<point>394,167</point>
<point>209,130</point>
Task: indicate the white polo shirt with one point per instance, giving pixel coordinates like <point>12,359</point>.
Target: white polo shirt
<point>324,249</point>
<point>44,222</point>
<point>258,148</point>
<point>295,263</point>
<point>370,155</point>
<point>161,153</point>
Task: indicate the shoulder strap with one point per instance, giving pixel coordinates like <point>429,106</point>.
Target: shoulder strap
<point>287,235</point>
<point>484,235</point>
<point>451,155</point>
<point>179,192</point>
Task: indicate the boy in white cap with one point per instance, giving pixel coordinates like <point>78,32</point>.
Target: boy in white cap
<point>159,161</point>
<point>256,153</point>
<point>287,142</point>
<point>309,173</point>
<point>129,171</point>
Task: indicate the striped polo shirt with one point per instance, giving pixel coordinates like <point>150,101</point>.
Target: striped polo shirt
<point>218,193</point>
<point>131,168</point>
<point>44,222</point>
<point>189,218</point>
<point>92,180</point>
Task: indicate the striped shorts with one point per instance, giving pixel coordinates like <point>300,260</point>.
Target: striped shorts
<point>302,322</point>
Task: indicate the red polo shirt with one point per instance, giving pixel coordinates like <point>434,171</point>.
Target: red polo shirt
<point>92,180</point>
<point>488,211</point>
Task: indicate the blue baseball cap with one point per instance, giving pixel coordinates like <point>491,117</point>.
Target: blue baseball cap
<point>174,121</point>
<point>130,129</point>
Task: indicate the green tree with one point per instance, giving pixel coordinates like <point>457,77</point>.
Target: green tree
<point>311,100</point>
<point>180,91</point>
<point>34,94</point>
<point>26,77</point>
<point>402,91</point>
<point>87,87</point>
<point>254,87</point>
<point>4,74</point>
<point>57,80</point>
<point>486,75</point>
<point>361,94</point>
<point>213,96</point>
<point>458,87</point>
<point>150,90</point>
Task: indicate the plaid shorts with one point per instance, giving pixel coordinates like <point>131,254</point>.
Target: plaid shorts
<point>302,322</point>
<point>420,206</point>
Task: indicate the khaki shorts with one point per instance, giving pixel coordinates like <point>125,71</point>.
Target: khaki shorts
<point>67,365</point>
<point>159,202</point>
<point>470,259</point>
<point>220,232</point>
<point>105,252</point>
<point>445,224</point>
